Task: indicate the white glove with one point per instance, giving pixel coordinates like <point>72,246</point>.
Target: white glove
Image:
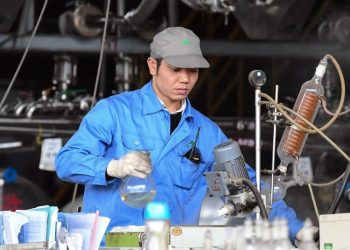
<point>134,163</point>
<point>304,233</point>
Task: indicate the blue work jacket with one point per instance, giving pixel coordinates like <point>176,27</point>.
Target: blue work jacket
<point>136,120</point>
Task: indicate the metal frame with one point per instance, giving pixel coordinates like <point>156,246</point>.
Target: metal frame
<point>131,45</point>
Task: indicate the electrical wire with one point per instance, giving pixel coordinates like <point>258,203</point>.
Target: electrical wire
<point>101,54</point>
<point>314,201</point>
<point>24,54</point>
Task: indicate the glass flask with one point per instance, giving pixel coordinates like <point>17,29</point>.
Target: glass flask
<point>279,188</point>
<point>137,192</point>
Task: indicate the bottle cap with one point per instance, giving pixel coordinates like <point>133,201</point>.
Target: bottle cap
<point>157,210</point>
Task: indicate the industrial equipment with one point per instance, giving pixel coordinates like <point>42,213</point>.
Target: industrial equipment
<point>301,118</point>
<point>61,98</point>
<point>229,167</point>
<point>229,179</point>
<point>334,231</point>
<point>307,105</point>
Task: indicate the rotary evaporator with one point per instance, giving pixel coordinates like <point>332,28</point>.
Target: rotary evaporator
<point>229,178</point>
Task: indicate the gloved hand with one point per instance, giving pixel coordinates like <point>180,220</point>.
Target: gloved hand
<point>134,163</point>
<point>306,234</point>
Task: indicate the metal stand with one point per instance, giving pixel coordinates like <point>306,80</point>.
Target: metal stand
<point>257,137</point>
<point>275,117</point>
<point>257,78</point>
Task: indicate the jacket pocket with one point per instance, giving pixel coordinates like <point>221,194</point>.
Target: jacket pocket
<point>185,172</point>
<point>137,142</point>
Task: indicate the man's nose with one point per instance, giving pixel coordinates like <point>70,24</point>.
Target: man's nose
<point>184,75</point>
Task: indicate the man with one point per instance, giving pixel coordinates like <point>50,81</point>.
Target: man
<point>159,119</point>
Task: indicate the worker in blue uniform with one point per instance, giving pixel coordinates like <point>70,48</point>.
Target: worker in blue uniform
<point>159,119</point>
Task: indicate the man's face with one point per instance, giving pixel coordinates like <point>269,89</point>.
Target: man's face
<point>171,84</point>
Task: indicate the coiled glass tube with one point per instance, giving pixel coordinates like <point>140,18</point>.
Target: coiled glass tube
<point>306,105</point>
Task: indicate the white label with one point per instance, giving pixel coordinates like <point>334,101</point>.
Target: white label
<point>49,150</point>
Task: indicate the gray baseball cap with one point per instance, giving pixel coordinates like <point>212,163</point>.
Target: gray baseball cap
<point>179,47</point>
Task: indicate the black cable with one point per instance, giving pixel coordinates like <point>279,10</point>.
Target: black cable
<point>340,193</point>
<point>257,195</point>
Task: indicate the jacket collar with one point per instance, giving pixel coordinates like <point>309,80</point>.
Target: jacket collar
<point>151,104</point>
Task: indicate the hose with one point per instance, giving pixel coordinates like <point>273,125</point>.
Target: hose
<point>257,195</point>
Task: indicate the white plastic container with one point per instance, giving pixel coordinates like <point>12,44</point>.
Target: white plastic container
<point>334,230</point>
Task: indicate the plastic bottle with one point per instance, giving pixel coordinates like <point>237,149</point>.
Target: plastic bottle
<point>258,233</point>
<point>280,239</point>
<point>208,241</point>
<point>248,234</point>
<point>307,237</point>
<point>157,223</point>
<point>266,236</point>
<point>229,244</point>
<point>284,237</point>
<point>306,105</point>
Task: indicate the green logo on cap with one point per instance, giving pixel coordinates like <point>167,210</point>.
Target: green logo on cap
<point>186,41</point>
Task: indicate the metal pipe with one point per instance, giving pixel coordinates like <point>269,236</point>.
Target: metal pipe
<point>51,106</point>
<point>274,142</point>
<point>34,108</point>
<point>36,130</point>
<point>19,110</point>
<point>173,12</point>
<point>141,13</point>
<point>26,121</point>
<point>257,137</point>
<point>257,79</point>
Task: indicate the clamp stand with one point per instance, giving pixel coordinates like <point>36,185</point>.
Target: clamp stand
<point>257,79</point>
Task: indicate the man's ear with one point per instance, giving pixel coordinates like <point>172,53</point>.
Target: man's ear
<point>152,66</point>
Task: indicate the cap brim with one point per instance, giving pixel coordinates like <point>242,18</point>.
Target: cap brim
<point>187,61</point>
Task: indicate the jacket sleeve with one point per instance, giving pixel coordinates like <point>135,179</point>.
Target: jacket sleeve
<point>82,159</point>
<point>281,210</point>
